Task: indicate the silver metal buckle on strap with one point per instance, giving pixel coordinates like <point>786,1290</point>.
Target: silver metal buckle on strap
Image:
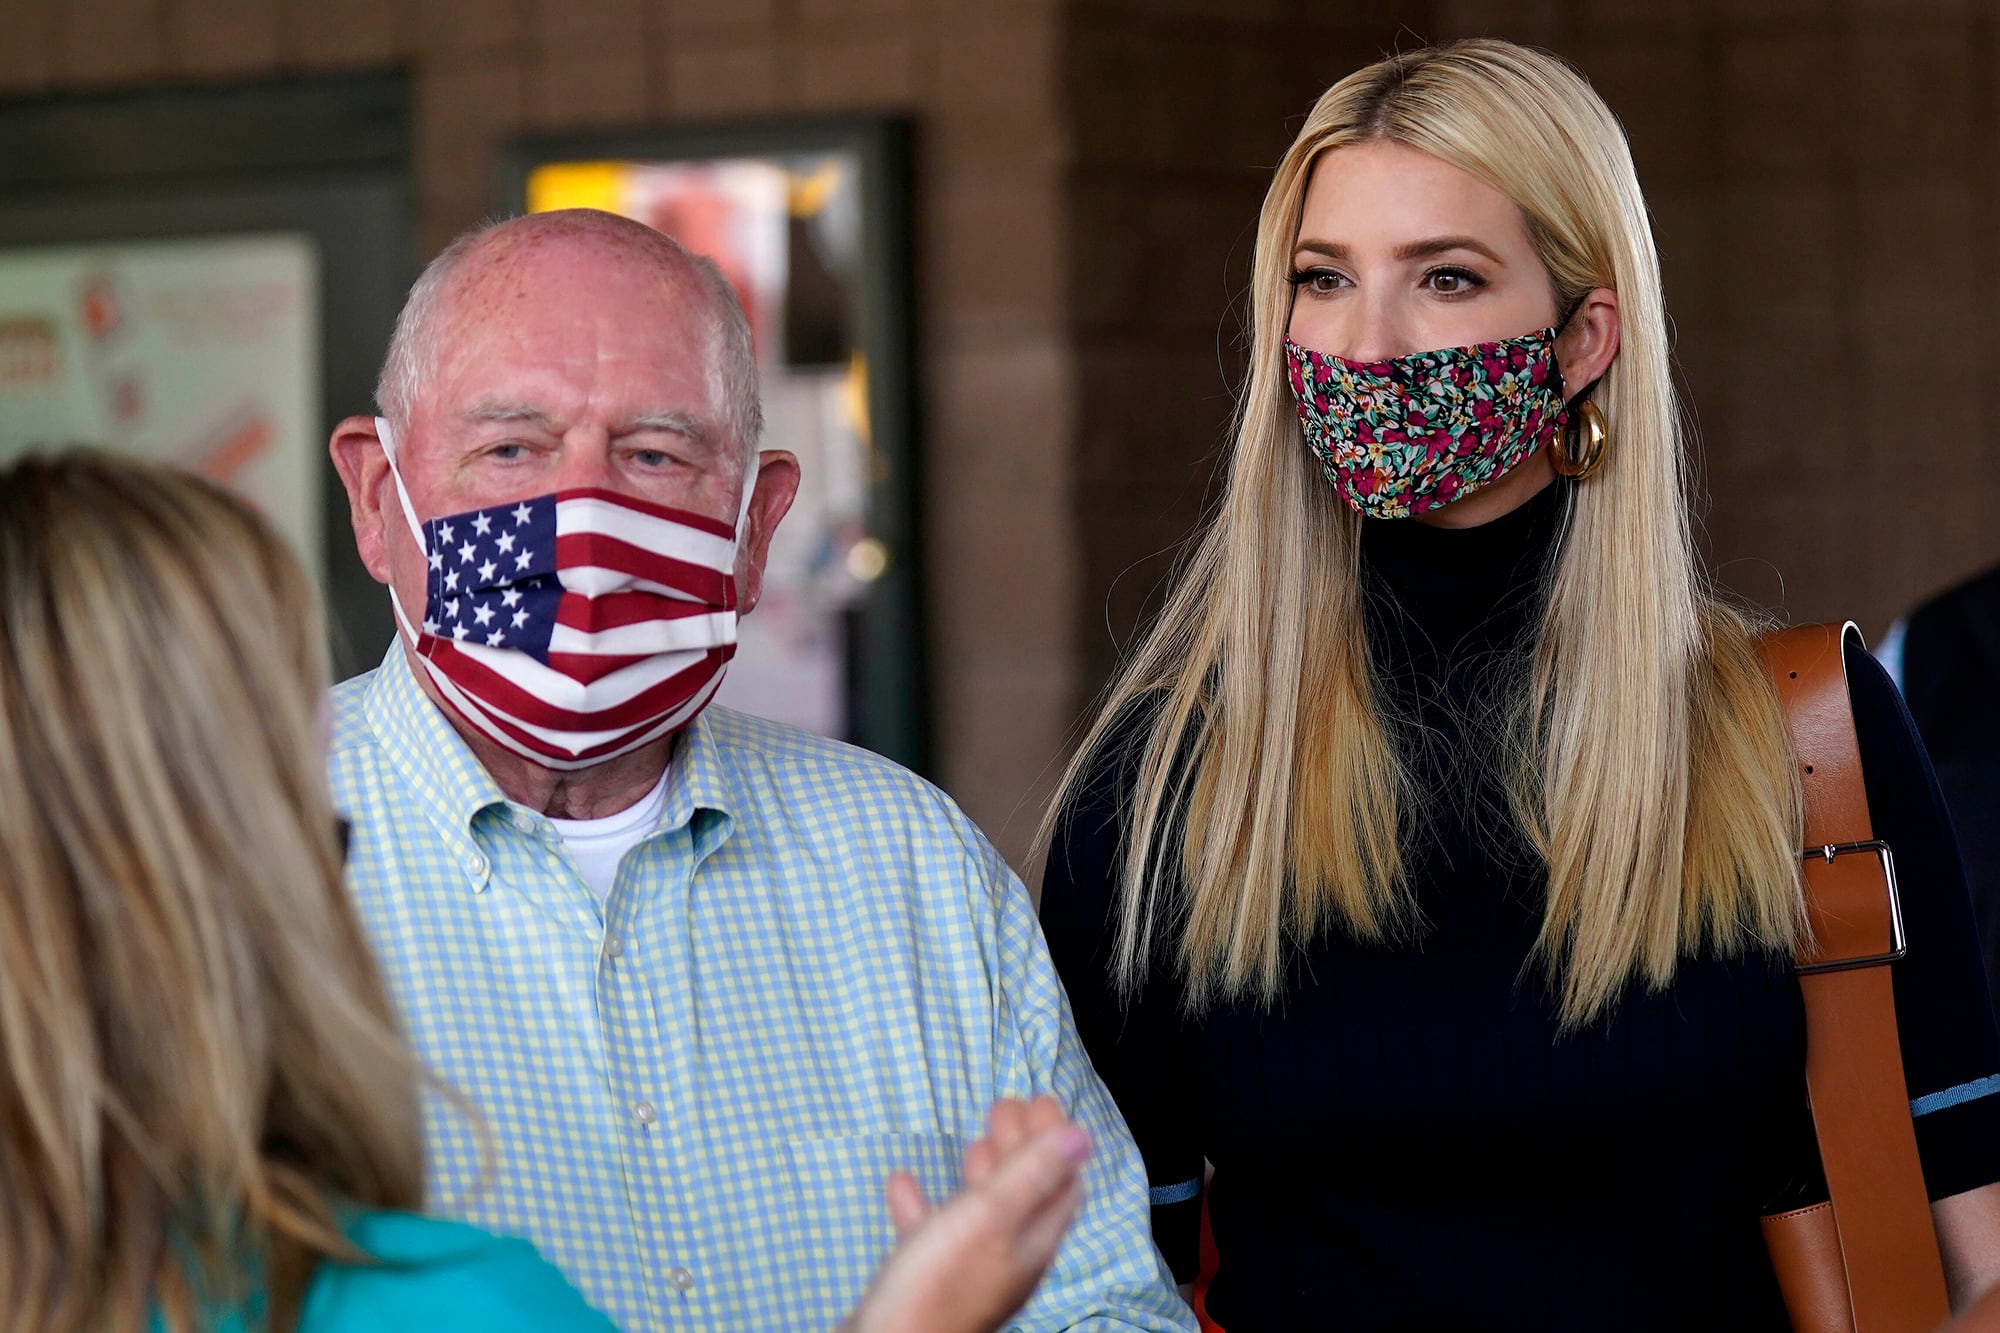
<point>1898,945</point>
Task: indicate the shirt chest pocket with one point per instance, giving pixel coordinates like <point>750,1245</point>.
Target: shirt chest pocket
<point>841,1215</point>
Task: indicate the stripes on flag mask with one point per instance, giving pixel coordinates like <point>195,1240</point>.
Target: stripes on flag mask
<point>577,626</point>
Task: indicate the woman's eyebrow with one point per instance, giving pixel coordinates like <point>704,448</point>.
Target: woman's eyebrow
<point>1438,245</point>
<point>1424,249</point>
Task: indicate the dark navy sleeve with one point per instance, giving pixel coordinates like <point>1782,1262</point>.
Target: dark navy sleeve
<point>1137,1043</point>
<point>1944,1014</point>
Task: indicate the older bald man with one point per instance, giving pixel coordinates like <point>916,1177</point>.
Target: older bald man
<point>705,981</point>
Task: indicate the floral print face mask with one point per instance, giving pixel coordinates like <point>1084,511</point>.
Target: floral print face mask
<point>1405,436</point>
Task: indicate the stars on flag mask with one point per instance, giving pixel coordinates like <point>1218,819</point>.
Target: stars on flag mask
<point>577,626</point>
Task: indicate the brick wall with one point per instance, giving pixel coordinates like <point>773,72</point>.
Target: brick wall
<point>1180,109</point>
<point>1823,178</point>
<point>1088,175</point>
<point>980,79</point>
<point>1823,174</point>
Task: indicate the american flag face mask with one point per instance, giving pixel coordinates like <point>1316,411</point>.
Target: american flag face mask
<point>577,626</point>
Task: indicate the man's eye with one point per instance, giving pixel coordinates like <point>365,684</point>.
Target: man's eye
<point>651,457</point>
<point>1452,281</point>
<point>507,452</point>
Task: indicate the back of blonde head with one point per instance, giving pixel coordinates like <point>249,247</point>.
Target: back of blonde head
<point>1649,766</point>
<point>199,1060</point>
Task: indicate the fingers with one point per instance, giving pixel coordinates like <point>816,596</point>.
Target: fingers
<point>1044,1113</point>
<point>976,1258</point>
<point>1041,1236</point>
<point>1015,1130</point>
<point>1032,1198</point>
<point>978,1163</point>
<point>1011,1123</point>
<point>1039,1177</point>
<point>1005,1125</point>
<point>907,1207</point>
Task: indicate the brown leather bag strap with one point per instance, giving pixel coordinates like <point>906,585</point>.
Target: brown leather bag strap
<point>1854,1059</point>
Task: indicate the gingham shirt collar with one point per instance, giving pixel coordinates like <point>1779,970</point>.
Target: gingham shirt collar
<point>456,788</point>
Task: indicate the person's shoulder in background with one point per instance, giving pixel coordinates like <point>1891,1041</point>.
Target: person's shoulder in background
<point>1942,625</point>
<point>435,1276</point>
<point>1977,597</point>
<point>1950,667</point>
<point>1888,650</point>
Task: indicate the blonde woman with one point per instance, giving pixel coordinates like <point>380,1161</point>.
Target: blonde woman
<point>208,1119</point>
<point>1430,868</point>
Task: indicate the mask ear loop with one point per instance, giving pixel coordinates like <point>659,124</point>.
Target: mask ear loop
<point>749,494</point>
<point>1570,403</point>
<point>1572,407</point>
<point>1574,306</point>
<point>409,511</point>
<point>409,516</point>
<point>742,516</point>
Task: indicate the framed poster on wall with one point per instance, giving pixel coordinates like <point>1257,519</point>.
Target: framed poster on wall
<point>202,353</point>
<point>809,224</point>
<point>208,275</point>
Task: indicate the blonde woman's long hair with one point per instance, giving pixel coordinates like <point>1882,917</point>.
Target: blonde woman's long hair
<point>201,1065</point>
<point>1649,767</point>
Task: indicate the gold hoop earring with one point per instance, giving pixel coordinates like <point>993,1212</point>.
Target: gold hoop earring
<point>1574,457</point>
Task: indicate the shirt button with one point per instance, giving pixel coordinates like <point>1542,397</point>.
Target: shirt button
<point>524,822</point>
<point>681,1278</point>
<point>613,947</point>
<point>644,1113</point>
<point>476,865</point>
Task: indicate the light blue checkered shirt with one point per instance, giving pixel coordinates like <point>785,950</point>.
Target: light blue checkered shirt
<point>814,971</point>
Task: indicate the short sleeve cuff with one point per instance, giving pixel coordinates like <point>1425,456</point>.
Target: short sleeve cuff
<point>1177,1226</point>
<point>1958,1137</point>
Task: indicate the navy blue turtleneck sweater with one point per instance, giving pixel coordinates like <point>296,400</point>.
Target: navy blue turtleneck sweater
<point>1406,1140</point>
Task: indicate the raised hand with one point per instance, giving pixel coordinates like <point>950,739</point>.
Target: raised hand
<point>969,1264</point>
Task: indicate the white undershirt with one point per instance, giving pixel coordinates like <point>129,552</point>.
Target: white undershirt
<point>598,845</point>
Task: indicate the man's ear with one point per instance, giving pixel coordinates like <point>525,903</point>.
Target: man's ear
<point>371,502</point>
<point>777,485</point>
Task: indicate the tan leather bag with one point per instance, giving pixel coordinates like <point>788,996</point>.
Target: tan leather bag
<point>1867,1261</point>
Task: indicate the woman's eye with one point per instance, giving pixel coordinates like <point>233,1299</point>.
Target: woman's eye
<point>1319,281</point>
<point>1452,281</point>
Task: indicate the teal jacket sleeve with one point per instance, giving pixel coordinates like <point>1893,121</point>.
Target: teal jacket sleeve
<point>445,1277</point>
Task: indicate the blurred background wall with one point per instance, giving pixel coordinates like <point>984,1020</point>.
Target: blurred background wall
<point>1087,174</point>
